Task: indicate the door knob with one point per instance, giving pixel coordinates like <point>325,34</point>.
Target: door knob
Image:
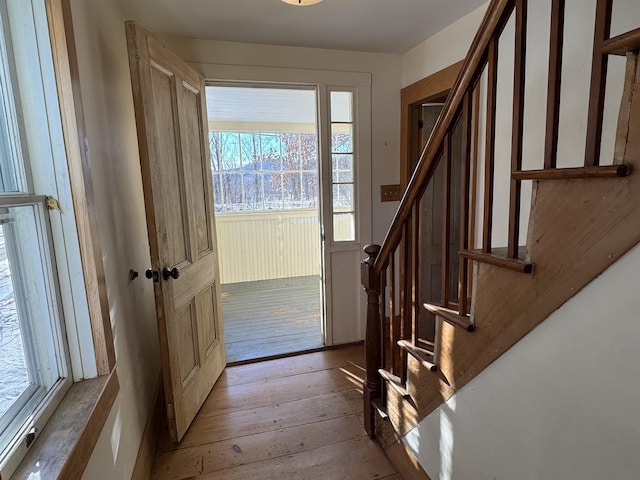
<point>151,274</point>
<point>170,273</point>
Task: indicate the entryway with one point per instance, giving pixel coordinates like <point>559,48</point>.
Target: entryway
<point>266,177</point>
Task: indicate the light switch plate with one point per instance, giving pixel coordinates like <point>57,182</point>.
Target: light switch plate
<point>389,193</point>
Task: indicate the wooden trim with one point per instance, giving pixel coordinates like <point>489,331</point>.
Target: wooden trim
<point>65,446</point>
<point>147,450</point>
<point>432,86</point>
<point>622,44</point>
<point>73,125</point>
<point>598,171</point>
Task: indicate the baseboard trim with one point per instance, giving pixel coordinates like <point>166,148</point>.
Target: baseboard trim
<point>147,450</point>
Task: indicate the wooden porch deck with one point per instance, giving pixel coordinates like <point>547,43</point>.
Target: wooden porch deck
<point>271,317</point>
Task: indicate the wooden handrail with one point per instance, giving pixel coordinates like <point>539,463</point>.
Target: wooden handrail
<point>620,45</point>
<point>439,204</point>
<point>491,26</point>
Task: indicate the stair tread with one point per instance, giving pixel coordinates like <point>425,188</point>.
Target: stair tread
<point>395,382</point>
<point>425,357</point>
<point>451,316</point>
<point>498,258</point>
<point>378,404</point>
<point>597,171</point>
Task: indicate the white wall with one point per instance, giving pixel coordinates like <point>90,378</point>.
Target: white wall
<point>562,404</point>
<point>385,97</point>
<point>112,142</point>
<point>443,49</point>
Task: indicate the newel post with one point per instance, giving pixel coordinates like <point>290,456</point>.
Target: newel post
<point>372,386</point>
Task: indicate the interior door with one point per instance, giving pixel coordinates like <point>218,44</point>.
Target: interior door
<point>176,173</point>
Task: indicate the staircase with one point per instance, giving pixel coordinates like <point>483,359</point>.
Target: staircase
<point>433,325</point>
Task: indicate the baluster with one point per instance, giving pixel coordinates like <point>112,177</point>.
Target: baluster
<point>446,219</point>
<point>463,273</point>
<point>555,82</point>
<point>395,319</point>
<point>372,386</point>
<point>518,123</point>
<point>386,327</point>
<point>415,272</point>
<point>405,297</point>
<point>492,83</point>
<point>598,83</point>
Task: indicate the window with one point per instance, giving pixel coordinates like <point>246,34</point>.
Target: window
<point>342,161</point>
<point>45,332</point>
<point>254,171</point>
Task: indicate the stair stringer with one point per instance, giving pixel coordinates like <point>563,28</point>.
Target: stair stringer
<point>578,228</point>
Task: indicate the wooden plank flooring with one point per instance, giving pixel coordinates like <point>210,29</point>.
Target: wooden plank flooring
<point>288,419</point>
<point>271,317</point>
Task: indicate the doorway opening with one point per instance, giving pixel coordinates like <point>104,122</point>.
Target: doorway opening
<point>266,181</point>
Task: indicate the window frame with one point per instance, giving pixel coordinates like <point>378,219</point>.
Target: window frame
<point>74,190</point>
<point>353,122</point>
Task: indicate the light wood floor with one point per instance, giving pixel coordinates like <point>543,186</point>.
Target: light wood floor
<point>288,419</point>
<point>271,317</point>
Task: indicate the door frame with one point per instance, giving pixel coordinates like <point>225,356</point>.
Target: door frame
<point>336,330</point>
<point>411,98</point>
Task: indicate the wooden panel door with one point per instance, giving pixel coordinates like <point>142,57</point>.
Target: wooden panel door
<point>176,173</point>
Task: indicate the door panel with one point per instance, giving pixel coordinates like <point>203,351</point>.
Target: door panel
<point>175,163</point>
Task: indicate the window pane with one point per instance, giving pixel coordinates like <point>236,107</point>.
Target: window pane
<point>270,146</point>
<point>342,168</point>
<point>343,197</point>
<point>214,150</point>
<point>229,151</point>
<point>291,151</point>
<point>309,151</point>
<point>28,358</point>
<point>248,144</point>
<point>14,375</point>
<point>344,227</point>
<point>309,190</point>
<point>341,138</point>
<point>341,107</point>
<point>292,193</point>
<point>232,186</point>
<point>217,194</point>
<point>273,191</point>
<point>252,192</point>
<point>10,148</point>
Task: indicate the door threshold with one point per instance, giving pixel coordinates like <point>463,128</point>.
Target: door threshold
<point>293,354</point>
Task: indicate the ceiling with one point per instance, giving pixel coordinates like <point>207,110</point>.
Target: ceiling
<point>382,26</point>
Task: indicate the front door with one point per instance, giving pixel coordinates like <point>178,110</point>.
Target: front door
<point>176,173</point>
